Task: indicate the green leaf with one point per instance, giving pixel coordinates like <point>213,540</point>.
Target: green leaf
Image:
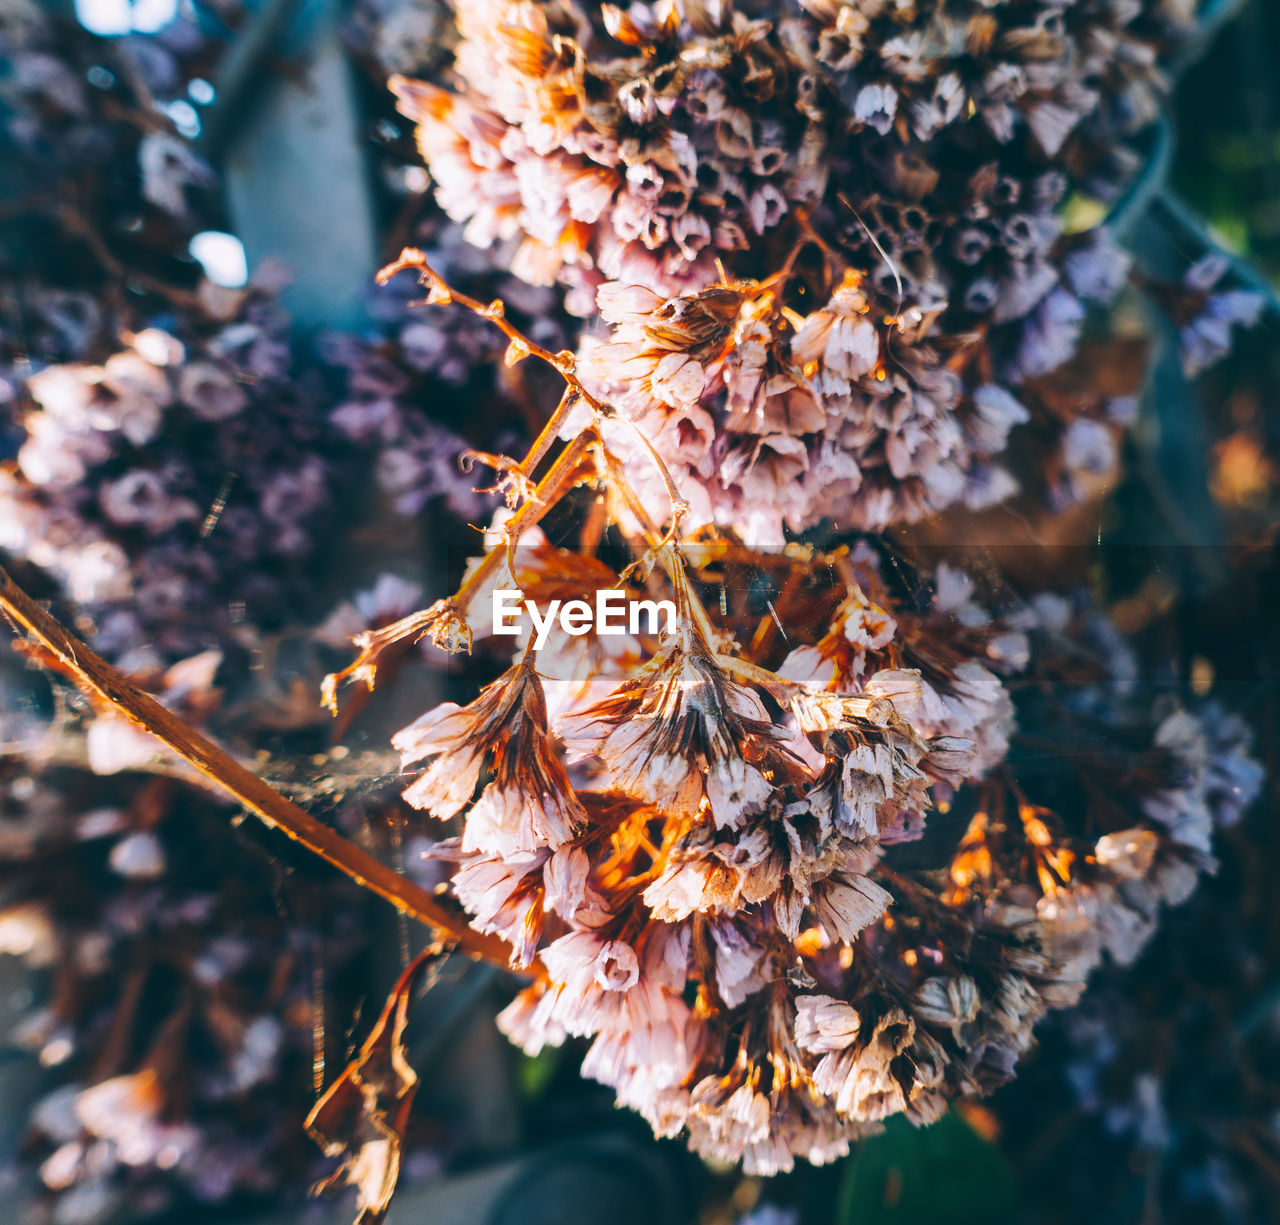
<point>534,1073</point>
<point>916,1175</point>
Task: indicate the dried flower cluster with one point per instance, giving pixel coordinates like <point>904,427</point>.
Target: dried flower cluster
<point>76,108</point>
<point>172,467</point>
<point>178,1031</point>
<point>1170,1062</point>
<point>829,243</point>
<point>152,480</point>
<point>1100,854</point>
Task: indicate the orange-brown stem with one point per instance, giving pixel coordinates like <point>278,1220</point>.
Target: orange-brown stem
<point>273,809</point>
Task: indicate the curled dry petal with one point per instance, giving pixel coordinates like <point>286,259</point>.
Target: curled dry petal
<point>363,1115</point>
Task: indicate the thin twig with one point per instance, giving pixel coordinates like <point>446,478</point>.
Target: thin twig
<point>442,294</point>
<point>522,346</point>
<point>272,808</point>
<point>444,621</point>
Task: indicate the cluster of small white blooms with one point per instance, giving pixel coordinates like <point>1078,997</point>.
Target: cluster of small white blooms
<point>771,421</point>
<point>1038,70</point>
<point>1196,773</point>
<point>84,413</point>
<point>684,851</point>
<point>632,145</point>
<point>695,853</point>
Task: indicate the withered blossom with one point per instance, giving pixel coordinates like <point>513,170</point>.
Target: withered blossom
<point>631,146</point>
<point>495,759</point>
<point>685,737</point>
<point>364,1114</point>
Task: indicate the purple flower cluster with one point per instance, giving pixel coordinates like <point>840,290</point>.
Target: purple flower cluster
<point>1207,312</point>
<point>1158,781</point>
<point>173,478</point>
<point>97,139</point>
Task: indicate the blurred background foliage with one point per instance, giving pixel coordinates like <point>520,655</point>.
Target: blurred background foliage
<point>1227,114</point>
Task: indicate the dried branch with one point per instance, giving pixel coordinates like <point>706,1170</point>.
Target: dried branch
<point>98,677</point>
<point>445,621</point>
<point>522,346</point>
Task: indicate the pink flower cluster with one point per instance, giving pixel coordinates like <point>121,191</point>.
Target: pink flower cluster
<point>687,848</point>
<point>689,855</point>
<point>827,244</point>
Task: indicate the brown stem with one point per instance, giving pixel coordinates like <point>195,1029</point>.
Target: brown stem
<point>443,621</point>
<point>559,478</point>
<point>442,293</point>
<point>679,507</point>
<point>273,809</point>
<point>564,363</point>
<point>547,435</point>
